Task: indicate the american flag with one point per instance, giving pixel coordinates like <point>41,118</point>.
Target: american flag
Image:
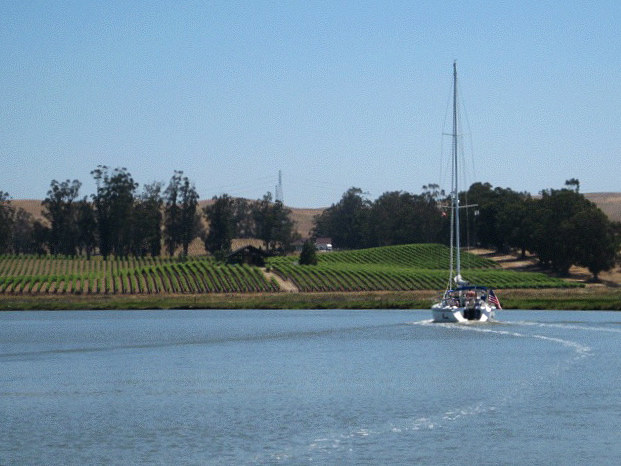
<point>494,300</point>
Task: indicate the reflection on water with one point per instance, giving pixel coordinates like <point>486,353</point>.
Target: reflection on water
<point>236,387</point>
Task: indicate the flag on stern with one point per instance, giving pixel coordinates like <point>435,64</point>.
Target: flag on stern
<point>494,300</point>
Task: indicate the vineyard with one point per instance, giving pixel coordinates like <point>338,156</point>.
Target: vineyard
<point>401,268</point>
<point>421,256</point>
<point>56,275</point>
<point>394,268</point>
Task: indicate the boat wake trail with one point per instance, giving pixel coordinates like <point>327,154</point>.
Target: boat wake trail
<point>580,349</point>
<point>455,415</point>
<point>568,327</point>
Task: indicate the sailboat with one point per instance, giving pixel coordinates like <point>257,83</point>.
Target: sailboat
<point>461,301</point>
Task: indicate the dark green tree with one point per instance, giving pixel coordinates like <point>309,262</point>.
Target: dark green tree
<point>273,224</point>
<point>284,233</point>
<point>172,218</point>
<point>554,228</point>
<point>400,218</point>
<point>243,218</point>
<point>7,213</point>
<point>596,242</point>
<point>114,204</point>
<point>60,211</point>
<point>517,216</point>
<point>264,220</point>
<point>346,222</point>
<point>222,225</point>
<point>190,218</point>
<point>573,184</point>
<point>182,222</point>
<point>86,227</point>
<point>148,221</point>
<point>308,256</point>
<point>23,233</point>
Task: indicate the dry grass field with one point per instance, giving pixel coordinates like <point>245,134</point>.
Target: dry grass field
<point>610,203</point>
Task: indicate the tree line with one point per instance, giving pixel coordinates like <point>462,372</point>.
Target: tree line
<point>118,220</point>
<point>561,227</point>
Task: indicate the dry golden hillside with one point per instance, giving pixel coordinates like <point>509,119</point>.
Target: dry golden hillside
<point>610,203</point>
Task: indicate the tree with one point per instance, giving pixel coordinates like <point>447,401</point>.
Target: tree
<point>596,244</point>
<point>273,224</point>
<point>284,233</point>
<point>182,222</point>
<point>114,204</point>
<point>557,240</point>
<point>400,218</point>
<point>518,218</point>
<point>148,221</point>
<point>308,256</point>
<point>221,218</point>
<point>6,222</point>
<point>190,219</point>
<point>243,218</point>
<point>23,233</point>
<point>346,221</point>
<point>263,220</point>
<point>60,212</point>
<point>573,184</point>
<point>86,227</point>
<point>172,214</point>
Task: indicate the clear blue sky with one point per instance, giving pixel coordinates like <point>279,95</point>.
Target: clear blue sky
<point>334,94</point>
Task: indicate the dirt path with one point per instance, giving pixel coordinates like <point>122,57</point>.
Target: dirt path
<point>285,285</point>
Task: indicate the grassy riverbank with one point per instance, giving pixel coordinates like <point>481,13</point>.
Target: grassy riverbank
<point>596,298</point>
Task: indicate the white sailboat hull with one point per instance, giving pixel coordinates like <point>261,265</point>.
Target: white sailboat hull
<point>444,313</point>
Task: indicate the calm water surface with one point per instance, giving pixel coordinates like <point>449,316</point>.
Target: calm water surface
<point>324,387</point>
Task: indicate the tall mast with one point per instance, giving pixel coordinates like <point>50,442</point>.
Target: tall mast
<point>455,172</point>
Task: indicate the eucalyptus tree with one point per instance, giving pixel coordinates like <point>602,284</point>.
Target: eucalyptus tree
<point>86,226</point>
<point>182,222</point>
<point>346,222</point>
<point>284,232</point>
<point>60,212</point>
<point>172,217</point>
<point>273,224</point>
<point>24,241</point>
<point>7,212</point>
<point>114,202</point>
<point>400,218</point>
<point>148,221</point>
<point>264,220</point>
<point>220,216</point>
<point>190,218</point>
<point>243,218</point>
<point>596,241</point>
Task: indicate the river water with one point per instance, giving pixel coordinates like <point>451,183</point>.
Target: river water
<point>298,387</point>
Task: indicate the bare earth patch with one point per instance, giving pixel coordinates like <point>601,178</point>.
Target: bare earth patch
<point>285,285</point>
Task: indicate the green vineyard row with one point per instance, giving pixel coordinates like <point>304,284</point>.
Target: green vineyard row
<point>393,268</point>
<point>376,278</point>
<point>422,256</point>
<point>33,275</point>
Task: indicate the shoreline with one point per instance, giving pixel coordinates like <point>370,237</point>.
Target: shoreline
<point>590,298</point>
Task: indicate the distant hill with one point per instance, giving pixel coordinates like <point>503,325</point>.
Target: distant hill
<point>610,203</point>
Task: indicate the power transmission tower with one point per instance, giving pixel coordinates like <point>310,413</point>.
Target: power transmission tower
<point>278,194</point>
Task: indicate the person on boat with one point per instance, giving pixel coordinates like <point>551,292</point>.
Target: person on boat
<point>470,295</point>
